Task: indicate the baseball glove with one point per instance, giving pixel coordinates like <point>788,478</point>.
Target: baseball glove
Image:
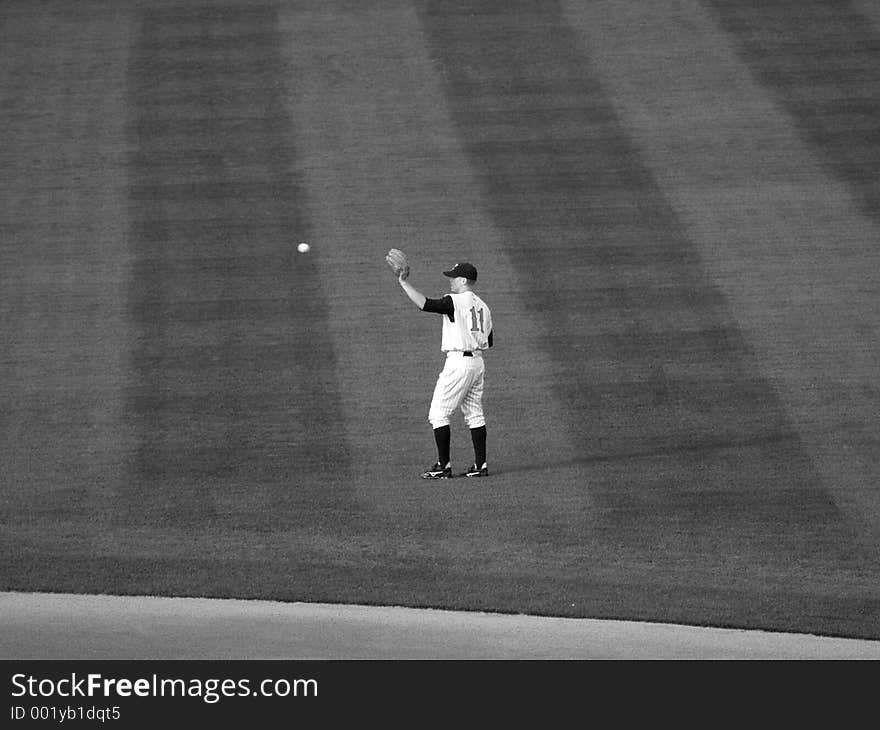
<point>396,259</point>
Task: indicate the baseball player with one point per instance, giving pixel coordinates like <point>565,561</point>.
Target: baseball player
<point>466,333</point>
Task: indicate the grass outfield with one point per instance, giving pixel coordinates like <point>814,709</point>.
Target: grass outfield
<point>674,216</point>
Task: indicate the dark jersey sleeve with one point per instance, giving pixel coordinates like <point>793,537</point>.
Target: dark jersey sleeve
<point>440,306</point>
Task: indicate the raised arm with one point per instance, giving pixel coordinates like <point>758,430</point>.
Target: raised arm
<point>414,294</point>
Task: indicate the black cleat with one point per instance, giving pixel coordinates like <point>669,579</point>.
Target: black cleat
<point>476,471</point>
<point>438,472</point>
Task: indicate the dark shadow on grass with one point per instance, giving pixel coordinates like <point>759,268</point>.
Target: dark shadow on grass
<point>693,448</point>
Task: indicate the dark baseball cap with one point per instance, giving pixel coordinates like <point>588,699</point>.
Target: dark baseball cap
<point>465,270</point>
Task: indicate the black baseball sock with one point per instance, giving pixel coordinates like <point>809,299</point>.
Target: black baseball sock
<point>442,436</point>
<point>478,436</point>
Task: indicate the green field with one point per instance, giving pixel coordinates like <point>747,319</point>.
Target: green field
<point>675,213</point>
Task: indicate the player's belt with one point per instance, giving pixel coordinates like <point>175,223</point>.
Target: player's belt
<point>467,353</point>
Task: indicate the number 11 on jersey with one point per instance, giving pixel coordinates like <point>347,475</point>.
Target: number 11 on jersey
<point>475,326</point>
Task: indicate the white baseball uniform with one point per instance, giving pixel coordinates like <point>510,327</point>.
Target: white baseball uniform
<point>467,331</point>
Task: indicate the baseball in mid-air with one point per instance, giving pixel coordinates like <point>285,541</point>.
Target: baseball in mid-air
<point>303,248</point>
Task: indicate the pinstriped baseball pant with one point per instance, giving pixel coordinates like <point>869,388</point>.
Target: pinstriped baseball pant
<point>459,385</point>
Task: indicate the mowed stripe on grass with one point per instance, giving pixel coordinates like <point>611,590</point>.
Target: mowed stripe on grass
<point>236,403</point>
<point>701,481</point>
<point>652,473</point>
<point>820,62</point>
<point>63,269</point>
<point>790,246</point>
<point>217,433</point>
<point>385,167</point>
